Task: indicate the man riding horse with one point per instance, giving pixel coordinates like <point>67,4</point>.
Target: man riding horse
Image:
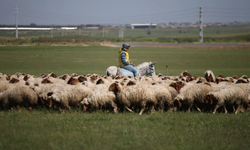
<point>124,59</point>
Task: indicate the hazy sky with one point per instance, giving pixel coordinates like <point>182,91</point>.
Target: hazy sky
<point>76,12</point>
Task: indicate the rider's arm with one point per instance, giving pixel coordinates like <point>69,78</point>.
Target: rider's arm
<point>123,56</point>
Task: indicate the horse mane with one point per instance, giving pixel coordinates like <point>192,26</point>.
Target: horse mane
<point>143,65</point>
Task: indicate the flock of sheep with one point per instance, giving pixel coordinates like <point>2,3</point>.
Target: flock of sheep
<point>118,93</point>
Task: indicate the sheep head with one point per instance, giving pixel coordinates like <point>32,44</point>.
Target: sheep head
<point>201,80</point>
<point>100,81</point>
<point>131,83</point>
<point>64,77</point>
<point>53,99</point>
<point>45,81</point>
<point>114,87</point>
<point>73,81</point>
<point>14,80</point>
<point>177,85</point>
<point>82,79</point>
<point>93,78</point>
<point>210,99</point>
<point>86,104</point>
<point>178,100</point>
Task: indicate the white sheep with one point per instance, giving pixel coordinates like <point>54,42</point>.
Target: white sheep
<point>100,98</point>
<point>209,75</point>
<point>231,95</point>
<point>69,95</point>
<point>136,95</point>
<point>163,97</point>
<point>193,95</point>
<point>18,96</point>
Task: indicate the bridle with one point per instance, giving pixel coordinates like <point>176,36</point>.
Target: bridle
<point>150,70</point>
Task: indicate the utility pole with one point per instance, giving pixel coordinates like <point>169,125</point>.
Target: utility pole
<point>51,31</point>
<point>16,12</point>
<point>121,33</point>
<point>79,30</point>
<point>201,26</point>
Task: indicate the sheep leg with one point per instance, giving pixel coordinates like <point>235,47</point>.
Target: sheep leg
<point>216,107</point>
<point>128,109</point>
<point>175,108</point>
<point>143,108</point>
<point>238,109</point>
<point>225,109</point>
<point>30,108</point>
<point>189,108</point>
<point>115,107</point>
<point>234,109</point>
<point>18,107</point>
<point>152,109</point>
<point>198,108</point>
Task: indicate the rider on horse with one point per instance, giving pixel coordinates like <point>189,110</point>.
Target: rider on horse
<point>124,59</point>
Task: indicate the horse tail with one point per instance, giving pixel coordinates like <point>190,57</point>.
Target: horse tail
<point>107,73</point>
<point>112,70</point>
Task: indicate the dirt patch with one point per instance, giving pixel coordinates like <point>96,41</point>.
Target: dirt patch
<point>223,46</point>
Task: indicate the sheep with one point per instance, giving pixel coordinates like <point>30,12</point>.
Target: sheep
<point>4,85</point>
<point>193,94</point>
<point>172,91</point>
<point>5,77</point>
<point>18,96</point>
<point>231,95</point>
<point>69,95</point>
<point>163,97</point>
<point>99,98</point>
<point>12,83</point>
<point>43,91</point>
<point>135,95</point>
<point>209,76</point>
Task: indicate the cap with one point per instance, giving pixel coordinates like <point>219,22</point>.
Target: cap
<point>125,45</point>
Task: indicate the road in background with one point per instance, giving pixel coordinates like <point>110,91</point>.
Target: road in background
<point>180,44</point>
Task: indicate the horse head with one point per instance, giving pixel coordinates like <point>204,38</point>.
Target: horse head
<point>151,68</point>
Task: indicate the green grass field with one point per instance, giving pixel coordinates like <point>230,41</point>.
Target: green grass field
<point>48,129</point>
<point>96,59</point>
<point>43,129</point>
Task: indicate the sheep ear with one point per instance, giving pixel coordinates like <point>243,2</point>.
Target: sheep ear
<point>129,84</point>
<point>100,81</point>
<point>118,87</point>
<point>112,87</point>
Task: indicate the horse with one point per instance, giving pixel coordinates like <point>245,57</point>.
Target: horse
<point>143,68</point>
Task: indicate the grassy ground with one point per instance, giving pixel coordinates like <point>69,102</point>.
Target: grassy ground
<point>96,59</point>
<point>48,129</point>
<point>43,129</point>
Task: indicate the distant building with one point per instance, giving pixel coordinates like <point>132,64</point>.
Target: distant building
<point>143,26</point>
<point>92,26</point>
<point>68,28</point>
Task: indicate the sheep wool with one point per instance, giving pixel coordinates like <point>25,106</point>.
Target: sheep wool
<point>231,95</point>
<point>19,96</point>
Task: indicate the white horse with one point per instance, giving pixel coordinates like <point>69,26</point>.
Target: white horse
<point>144,68</point>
